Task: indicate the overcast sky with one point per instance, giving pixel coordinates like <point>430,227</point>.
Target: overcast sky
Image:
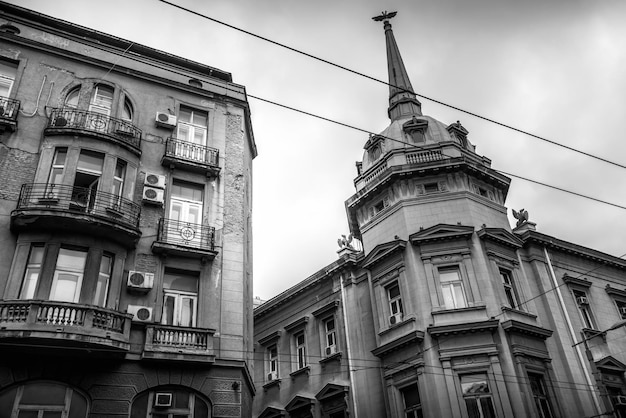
<point>553,68</point>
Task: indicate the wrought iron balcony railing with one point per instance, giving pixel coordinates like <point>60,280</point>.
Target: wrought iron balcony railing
<point>9,108</point>
<point>38,318</point>
<point>186,234</point>
<point>118,129</point>
<point>48,196</point>
<point>189,151</point>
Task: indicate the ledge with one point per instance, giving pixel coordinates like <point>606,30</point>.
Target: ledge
<point>271,384</point>
<point>519,312</point>
<point>528,329</point>
<point>297,324</point>
<point>270,338</point>
<point>334,357</point>
<point>305,370</point>
<point>576,281</point>
<point>386,349</point>
<point>615,292</point>
<point>489,325</point>
<point>330,307</point>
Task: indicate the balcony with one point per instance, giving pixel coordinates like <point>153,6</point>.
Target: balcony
<point>68,121</point>
<point>178,343</point>
<point>77,209</point>
<point>9,108</point>
<point>192,157</point>
<point>67,324</point>
<point>185,239</point>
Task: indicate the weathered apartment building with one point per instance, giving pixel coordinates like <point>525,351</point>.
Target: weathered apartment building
<point>125,236</point>
<point>446,311</point>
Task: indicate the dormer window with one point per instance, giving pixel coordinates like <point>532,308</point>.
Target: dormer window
<point>416,129</point>
<point>458,132</point>
<point>375,146</point>
<point>375,153</point>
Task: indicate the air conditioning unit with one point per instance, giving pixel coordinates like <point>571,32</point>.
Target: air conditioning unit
<point>272,376</point>
<point>395,319</point>
<point>165,120</point>
<point>162,400</point>
<point>139,280</point>
<point>620,400</point>
<point>140,313</point>
<point>153,195</point>
<point>331,349</point>
<point>582,300</point>
<point>154,180</point>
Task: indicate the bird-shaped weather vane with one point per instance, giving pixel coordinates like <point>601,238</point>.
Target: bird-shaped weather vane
<point>384,16</point>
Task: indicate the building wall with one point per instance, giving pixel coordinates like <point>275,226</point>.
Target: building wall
<point>211,358</point>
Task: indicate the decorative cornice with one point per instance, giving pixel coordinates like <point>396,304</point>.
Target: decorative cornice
<point>576,281</point>
<point>299,323</point>
<point>500,236</point>
<point>551,242</point>
<point>615,292</point>
<point>612,364</point>
<point>465,328</point>
<point>386,349</point>
<point>442,232</point>
<point>330,391</point>
<point>270,338</point>
<point>383,251</point>
<point>522,328</point>
<point>298,402</point>
<point>332,306</point>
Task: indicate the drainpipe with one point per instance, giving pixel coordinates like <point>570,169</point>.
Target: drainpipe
<point>594,396</point>
<point>348,349</point>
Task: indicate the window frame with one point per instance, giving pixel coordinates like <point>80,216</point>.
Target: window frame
<point>477,398</point>
<point>511,290</point>
<point>585,312</point>
<point>6,78</point>
<point>300,356</point>
<point>180,296</point>
<point>411,411</point>
<point>79,273</point>
<point>451,283</point>
<point>192,127</point>
<point>545,396</point>
<point>394,303</point>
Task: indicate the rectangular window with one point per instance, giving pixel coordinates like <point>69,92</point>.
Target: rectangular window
<point>33,269</point>
<point>510,289</point>
<point>56,173</point>
<point>192,125</point>
<point>180,298</point>
<point>272,359</point>
<point>395,303</point>
<point>582,301</point>
<point>452,288</point>
<point>300,350</point>
<point>477,396</point>
<point>331,335</point>
<point>8,71</point>
<point>412,401</point>
<point>68,275</point>
<point>104,276</point>
<point>118,182</point>
<point>621,308</point>
<point>87,179</point>
<point>540,395</point>
<point>431,188</point>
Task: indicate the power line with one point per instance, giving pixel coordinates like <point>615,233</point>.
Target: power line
<point>325,61</point>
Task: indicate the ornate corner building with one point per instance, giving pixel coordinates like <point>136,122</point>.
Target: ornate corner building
<point>125,203</point>
<point>446,311</point>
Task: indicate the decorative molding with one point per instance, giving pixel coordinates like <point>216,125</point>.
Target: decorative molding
<point>299,323</point>
<point>383,251</point>
<point>616,293</point>
<point>525,351</point>
<point>269,385</point>
<point>522,328</point>
<point>299,402</point>
<point>273,337</point>
<point>334,357</point>
<point>441,232</point>
<point>305,370</point>
<point>489,325</point>
<point>576,281</point>
<point>332,306</point>
<point>330,391</point>
<point>611,364</point>
<point>386,349</point>
<point>500,236</point>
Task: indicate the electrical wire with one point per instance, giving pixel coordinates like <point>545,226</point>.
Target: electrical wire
<point>402,89</point>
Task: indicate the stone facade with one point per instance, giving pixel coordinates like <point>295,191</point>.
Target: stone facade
<point>447,311</point>
<point>126,285</point>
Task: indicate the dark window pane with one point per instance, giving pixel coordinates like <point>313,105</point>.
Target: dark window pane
<point>53,414</point>
<point>140,406</point>
<point>411,396</point>
<point>201,410</point>
<point>27,414</point>
<point>487,407</point>
<point>78,407</point>
<point>43,394</point>
<point>472,408</point>
<point>6,403</point>
<point>181,399</point>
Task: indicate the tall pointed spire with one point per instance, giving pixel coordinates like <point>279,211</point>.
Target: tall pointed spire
<point>402,100</point>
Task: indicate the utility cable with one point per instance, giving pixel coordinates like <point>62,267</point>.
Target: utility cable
<point>325,61</point>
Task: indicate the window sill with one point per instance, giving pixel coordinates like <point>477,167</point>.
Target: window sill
<point>443,310</point>
<point>517,311</point>
<point>332,357</point>
<point>272,383</point>
<point>305,370</point>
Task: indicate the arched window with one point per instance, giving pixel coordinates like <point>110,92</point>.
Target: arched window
<point>169,402</point>
<point>42,399</point>
<point>127,111</point>
<point>101,100</point>
<point>71,100</point>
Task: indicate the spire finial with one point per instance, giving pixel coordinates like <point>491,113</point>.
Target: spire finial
<point>384,16</point>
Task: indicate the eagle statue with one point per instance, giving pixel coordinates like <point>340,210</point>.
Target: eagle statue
<point>521,216</point>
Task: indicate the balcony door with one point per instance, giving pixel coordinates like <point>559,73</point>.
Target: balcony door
<point>186,212</point>
<point>180,299</point>
<point>100,108</point>
<point>68,275</point>
<point>86,181</point>
<point>192,135</point>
